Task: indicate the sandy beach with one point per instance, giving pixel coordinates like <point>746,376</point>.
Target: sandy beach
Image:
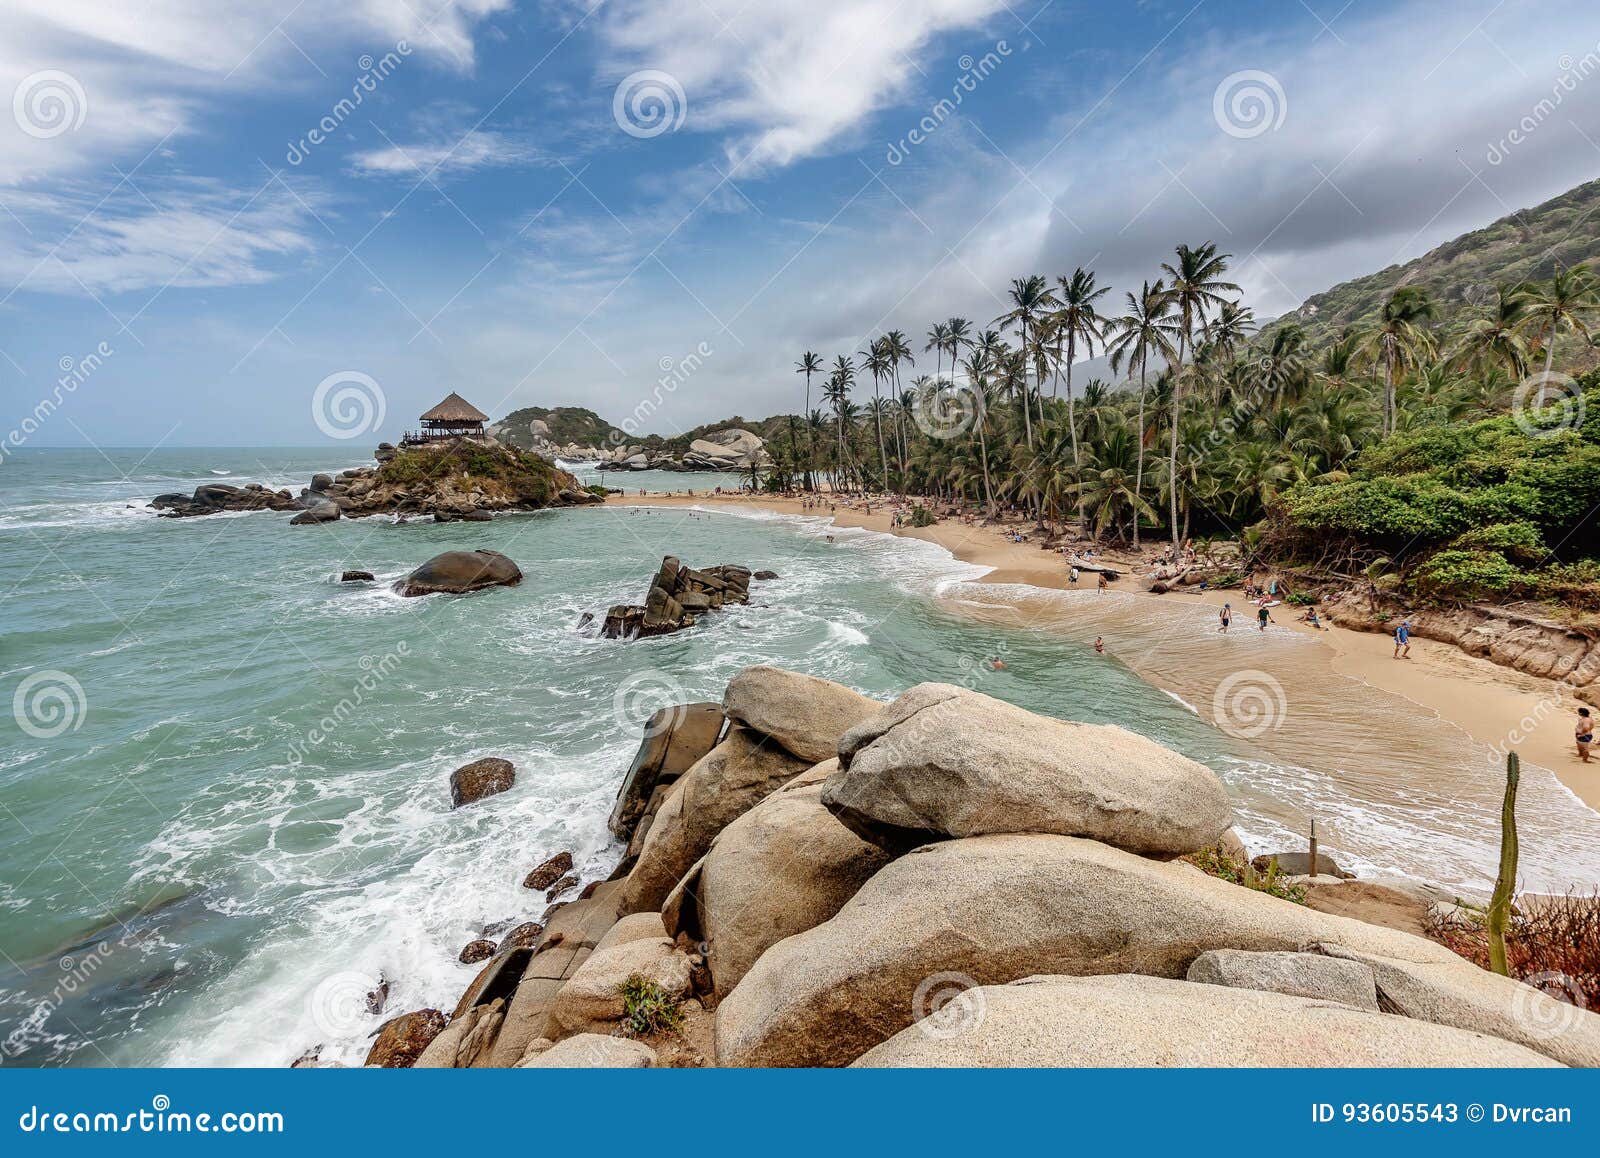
<point>1483,699</point>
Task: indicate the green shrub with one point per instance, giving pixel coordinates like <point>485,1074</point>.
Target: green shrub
<point>922,517</point>
<point>1219,862</point>
<point>647,1008</point>
<point>1467,575</point>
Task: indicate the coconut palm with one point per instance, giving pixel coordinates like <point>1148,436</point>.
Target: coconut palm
<point>1399,341</point>
<point>875,360</point>
<point>1495,340</point>
<point>1031,299</point>
<point>1566,302</point>
<point>1148,327</point>
<point>808,365</point>
<point>938,340</point>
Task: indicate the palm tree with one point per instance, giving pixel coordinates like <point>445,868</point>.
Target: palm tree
<point>1076,320</point>
<point>1031,298</point>
<point>959,332</point>
<point>1105,486</point>
<point>837,392</point>
<point>977,370</point>
<point>1495,339</point>
<point>875,360</point>
<point>938,340</point>
<point>1399,341</point>
<point>1562,303</point>
<point>808,365</point>
<point>1148,327</point>
<point>1197,288</point>
<point>898,349</point>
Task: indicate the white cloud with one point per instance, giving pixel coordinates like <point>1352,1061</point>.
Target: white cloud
<point>785,79</point>
<point>445,153</point>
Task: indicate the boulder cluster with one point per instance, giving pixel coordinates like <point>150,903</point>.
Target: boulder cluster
<point>732,450</point>
<point>813,878</point>
<point>678,594</point>
<point>214,498</point>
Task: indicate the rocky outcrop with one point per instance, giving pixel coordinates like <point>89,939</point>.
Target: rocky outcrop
<point>1297,974</point>
<point>1149,1021</point>
<point>997,908</point>
<point>727,782</point>
<point>676,595</point>
<point>804,714</point>
<point>729,450</point>
<point>590,1051</point>
<point>945,762</point>
<point>549,872</point>
<point>1527,643</point>
<point>457,572</point>
<point>470,783</point>
<point>592,1001</point>
<point>214,498</point>
<point>402,1039</point>
<point>674,739</point>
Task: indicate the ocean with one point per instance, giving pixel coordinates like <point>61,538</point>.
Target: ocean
<point>224,784</point>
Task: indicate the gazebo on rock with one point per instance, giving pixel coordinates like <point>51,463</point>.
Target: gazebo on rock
<point>452,418</point>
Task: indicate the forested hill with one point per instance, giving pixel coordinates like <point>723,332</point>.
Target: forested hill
<point>1460,275</point>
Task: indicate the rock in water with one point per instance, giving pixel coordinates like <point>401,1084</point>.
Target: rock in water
<point>401,1040</point>
<point>804,714</point>
<point>318,513</point>
<point>457,572</point>
<point>942,761</point>
<point>1128,1020</point>
<point>476,951</point>
<point>549,872</point>
<point>472,782</point>
<point>355,576</point>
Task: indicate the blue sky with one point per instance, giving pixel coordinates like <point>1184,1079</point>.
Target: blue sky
<point>493,218</point>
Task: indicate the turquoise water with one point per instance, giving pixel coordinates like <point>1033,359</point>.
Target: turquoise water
<point>233,816</point>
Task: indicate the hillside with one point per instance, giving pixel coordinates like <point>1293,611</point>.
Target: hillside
<point>1462,273</point>
<point>565,424</point>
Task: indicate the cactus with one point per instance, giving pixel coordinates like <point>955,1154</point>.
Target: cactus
<point>1500,903</point>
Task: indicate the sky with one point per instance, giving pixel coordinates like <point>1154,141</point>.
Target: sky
<point>226,222</point>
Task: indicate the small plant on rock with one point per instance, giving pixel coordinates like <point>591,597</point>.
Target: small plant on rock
<point>647,1008</point>
<point>1219,862</point>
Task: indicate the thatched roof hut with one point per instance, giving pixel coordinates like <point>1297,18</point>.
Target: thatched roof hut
<point>452,417</point>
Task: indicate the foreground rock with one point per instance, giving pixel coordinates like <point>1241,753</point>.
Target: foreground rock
<point>457,572</point>
<point>674,739</point>
<point>999,908</point>
<point>591,1001</point>
<point>214,498</point>
<point>676,595</point>
<point>1147,1021</point>
<point>1296,974</point>
<point>401,1040</point>
<point>804,714</point>
<point>472,782</point>
<point>592,1051</point>
<point>727,782</point>
<point>942,761</point>
<point>549,872</point>
<point>782,868</point>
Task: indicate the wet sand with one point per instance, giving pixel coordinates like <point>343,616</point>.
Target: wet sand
<point>1491,704</point>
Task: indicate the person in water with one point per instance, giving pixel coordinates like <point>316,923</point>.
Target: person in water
<point>1099,644</point>
<point>1584,734</point>
<point>996,663</point>
<point>1402,640</point>
<point>1263,617</point>
<point>1225,618</point>
<point>1102,584</point>
<point>1072,576</point>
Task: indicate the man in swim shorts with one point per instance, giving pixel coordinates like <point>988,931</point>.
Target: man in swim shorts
<point>1225,618</point>
<point>1584,734</point>
<point>1263,617</point>
<point>1402,640</point>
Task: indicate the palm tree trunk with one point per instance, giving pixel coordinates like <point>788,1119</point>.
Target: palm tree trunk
<point>1549,361</point>
<point>1138,475</point>
<point>811,440</point>
<point>1172,449</point>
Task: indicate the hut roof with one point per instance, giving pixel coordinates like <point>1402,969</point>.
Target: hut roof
<point>455,409</point>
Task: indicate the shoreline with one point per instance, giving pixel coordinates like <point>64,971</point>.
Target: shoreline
<point>1483,699</point>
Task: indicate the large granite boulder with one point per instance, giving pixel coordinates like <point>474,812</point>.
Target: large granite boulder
<point>591,1051</point>
<point>782,868</point>
<point>457,572</point>
<point>402,1039</point>
<point>591,1000</point>
<point>998,908</point>
<point>1297,974</point>
<point>724,784</point>
<point>674,738</point>
<point>957,763</point>
<point>805,714</point>
<point>470,783</point>
<point>1130,1020</point>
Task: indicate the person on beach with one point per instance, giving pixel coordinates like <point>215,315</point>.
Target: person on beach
<point>1072,576</point>
<point>1402,640</point>
<point>1263,617</point>
<point>1584,734</point>
<point>1311,617</point>
<point>1225,618</point>
<point>1099,644</point>
<point>1102,585</point>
